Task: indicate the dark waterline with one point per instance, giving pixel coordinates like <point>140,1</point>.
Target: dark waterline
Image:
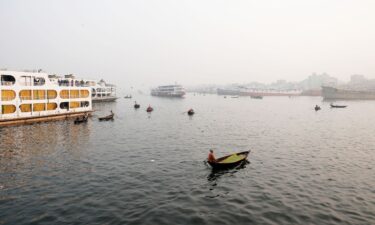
<point>305,167</point>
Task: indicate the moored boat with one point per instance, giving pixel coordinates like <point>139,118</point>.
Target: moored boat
<point>229,161</point>
<point>106,118</point>
<point>136,105</point>
<point>338,106</point>
<point>347,94</point>
<point>190,112</point>
<point>82,119</point>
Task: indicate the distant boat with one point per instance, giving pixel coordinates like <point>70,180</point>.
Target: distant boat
<point>169,91</point>
<point>257,96</point>
<point>128,96</point>
<point>235,96</point>
<point>136,105</point>
<point>191,112</point>
<point>317,108</point>
<point>229,161</point>
<point>338,106</point>
<point>149,109</point>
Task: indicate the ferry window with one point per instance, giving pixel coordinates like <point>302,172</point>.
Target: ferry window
<point>7,80</point>
<point>51,94</point>
<point>39,94</point>
<point>7,95</point>
<point>93,92</point>
<point>84,93</point>
<point>39,81</point>
<point>64,93</point>
<point>74,93</point>
<point>26,80</point>
<point>74,105</point>
<point>85,104</point>
<point>51,106</point>
<point>25,107</point>
<point>25,95</point>
<point>64,105</point>
<point>8,109</point>
<point>37,107</point>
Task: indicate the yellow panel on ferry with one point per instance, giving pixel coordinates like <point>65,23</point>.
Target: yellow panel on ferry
<point>51,106</point>
<point>25,107</point>
<point>25,95</point>
<point>51,94</point>
<point>39,94</point>
<point>74,93</point>
<point>7,95</point>
<point>8,109</point>
<point>37,107</point>
<point>84,93</point>
<point>64,94</point>
<point>73,105</point>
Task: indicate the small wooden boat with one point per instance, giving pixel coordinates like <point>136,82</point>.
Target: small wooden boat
<point>136,106</point>
<point>256,97</point>
<point>128,96</point>
<point>79,120</point>
<point>106,118</point>
<point>338,106</point>
<point>230,161</point>
<point>317,108</point>
<point>190,112</point>
<point>149,109</point>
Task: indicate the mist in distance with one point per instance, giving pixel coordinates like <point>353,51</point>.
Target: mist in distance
<point>149,43</point>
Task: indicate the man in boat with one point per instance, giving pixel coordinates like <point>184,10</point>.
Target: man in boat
<point>211,157</point>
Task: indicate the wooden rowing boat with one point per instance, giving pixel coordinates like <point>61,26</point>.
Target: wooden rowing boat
<point>106,118</point>
<point>337,106</point>
<point>230,161</point>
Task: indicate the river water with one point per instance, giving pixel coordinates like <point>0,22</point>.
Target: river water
<point>305,167</point>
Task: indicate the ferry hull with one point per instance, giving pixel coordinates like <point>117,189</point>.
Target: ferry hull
<point>38,119</point>
<point>168,95</point>
<point>108,99</point>
<point>334,93</point>
<point>255,93</point>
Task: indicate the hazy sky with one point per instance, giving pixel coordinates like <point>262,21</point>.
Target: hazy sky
<point>190,42</point>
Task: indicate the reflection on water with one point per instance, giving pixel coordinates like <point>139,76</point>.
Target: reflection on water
<point>306,167</point>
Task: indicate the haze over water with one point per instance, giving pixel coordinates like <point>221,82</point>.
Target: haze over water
<point>305,167</point>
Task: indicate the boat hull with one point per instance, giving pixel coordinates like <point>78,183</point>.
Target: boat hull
<point>38,119</point>
<point>218,165</point>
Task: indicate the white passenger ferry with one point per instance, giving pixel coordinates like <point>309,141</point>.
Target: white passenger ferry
<point>28,97</point>
<point>100,90</point>
<point>168,91</point>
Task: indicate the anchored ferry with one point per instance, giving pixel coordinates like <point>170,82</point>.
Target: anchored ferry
<point>28,97</point>
<point>102,91</point>
<point>169,91</point>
